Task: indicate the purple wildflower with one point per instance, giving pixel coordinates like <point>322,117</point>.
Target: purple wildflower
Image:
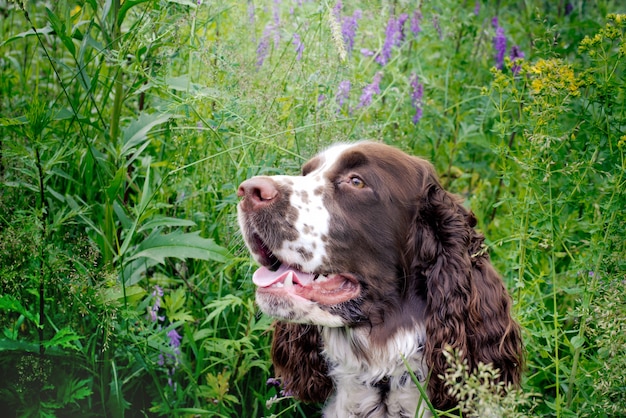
<point>276,12</point>
<point>264,45</point>
<point>417,94</point>
<point>170,374</point>
<point>174,359</point>
<point>370,90</point>
<point>516,56</point>
<point>343,92</point>
<point>416,21</point>
<point>367,53</point>
<point>251,13</point>
<point>321,98</point>
<point>477,8</point>
<point>275,25</point>
<point>401,21</point>
<point>153,311</point>
<point>297,42</point>
<point>174,341</point>
<point>392,36</point>
<point>569,8</point>
<point>349,26</point>
<point>499,43</point>
<point>175,338</point>
<point>171,361</point>
<point>337,9</point>
<point>437,26</point>
<point>274,382</point>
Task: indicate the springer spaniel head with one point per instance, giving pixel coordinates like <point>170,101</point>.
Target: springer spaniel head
<point>367,248</point>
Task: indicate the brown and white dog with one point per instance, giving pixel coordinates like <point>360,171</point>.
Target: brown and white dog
<point>366,261</point>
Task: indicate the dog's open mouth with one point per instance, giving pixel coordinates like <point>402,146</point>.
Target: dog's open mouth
<point>282,279</point>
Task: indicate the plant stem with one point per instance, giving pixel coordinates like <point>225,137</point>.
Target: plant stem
<point>44,220</point>
<point>555,312</point>
<point>119,91</point>
<point>501,182</point>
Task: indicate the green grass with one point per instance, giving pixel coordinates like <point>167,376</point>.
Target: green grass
<point>125,128</point>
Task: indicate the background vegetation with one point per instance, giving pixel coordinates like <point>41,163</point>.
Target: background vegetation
<point>126,126</point>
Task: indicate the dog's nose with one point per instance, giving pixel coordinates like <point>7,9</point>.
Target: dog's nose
<point>257,192</point>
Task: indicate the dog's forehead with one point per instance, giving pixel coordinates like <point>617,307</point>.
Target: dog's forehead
<point>326,159</point>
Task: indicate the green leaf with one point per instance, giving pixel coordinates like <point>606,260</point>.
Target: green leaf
<point>203,334</point>
<point>10,304</point>
<point>183,83</point>
<point>59,28</point>
<point>180,83</point>
<point>137,132</point>
<point>116,293</point>
<point>22,346</point>
<point>182,316</point>
<point>21,120</point>
<point>117,404</point>
<point>124,219</point>
<point>146,193</point>
<point>124,9</point>
<point>190,3</point>
<point>73,390</point>
<point>165,221</point>
<point>116,182</point>
<point>180,245</point>
<point>64,338</point>
<point>174,304</point>
<point>220,305</point>
<point>577,342</point>
<point>31,32</point>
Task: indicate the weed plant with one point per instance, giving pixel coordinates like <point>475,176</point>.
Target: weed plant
<point>126,126</point>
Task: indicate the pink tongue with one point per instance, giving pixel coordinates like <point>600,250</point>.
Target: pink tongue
<point>264,277</point>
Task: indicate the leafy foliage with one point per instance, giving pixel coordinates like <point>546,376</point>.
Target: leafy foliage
<point>126,126</point>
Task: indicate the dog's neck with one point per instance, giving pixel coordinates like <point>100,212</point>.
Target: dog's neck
<point>373,379</point>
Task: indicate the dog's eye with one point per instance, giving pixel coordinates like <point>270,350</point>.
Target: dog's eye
<point>356,181</point>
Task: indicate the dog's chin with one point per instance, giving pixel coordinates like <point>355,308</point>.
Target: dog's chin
<point>301,311</point>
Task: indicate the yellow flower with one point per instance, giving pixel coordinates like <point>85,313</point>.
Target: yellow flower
<point>75,11</point>
<point>617,18</point>
<point>553,76</point>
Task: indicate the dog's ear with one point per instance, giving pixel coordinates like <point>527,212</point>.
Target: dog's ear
<point>468,307</point>
<point>298,361</point>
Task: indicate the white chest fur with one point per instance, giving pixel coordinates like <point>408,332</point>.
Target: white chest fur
<point>373,381</point>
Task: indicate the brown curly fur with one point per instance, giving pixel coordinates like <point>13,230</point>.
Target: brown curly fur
<point>298,362</point>
<point>468,307</point>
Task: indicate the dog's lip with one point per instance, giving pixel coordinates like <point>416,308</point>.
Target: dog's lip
<point>280,278</point>
<point>266,276</point>
<point>262,252</point>
<point>327,289</point>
